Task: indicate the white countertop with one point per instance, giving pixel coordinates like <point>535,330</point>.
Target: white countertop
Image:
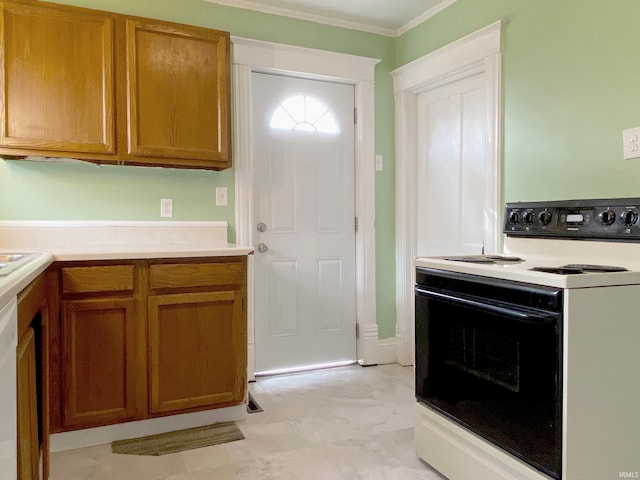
<point>16,281</point>
<point>132,252</point>
<point>87,241</point>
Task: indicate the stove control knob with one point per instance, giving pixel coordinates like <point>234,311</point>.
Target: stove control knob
<point>529,217</point>
<point>514,218</point>
<point>608,217</point>
<point>545,217</point>
<point>630,217</point>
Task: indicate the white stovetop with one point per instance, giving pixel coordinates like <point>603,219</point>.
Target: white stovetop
<point>553,253</point>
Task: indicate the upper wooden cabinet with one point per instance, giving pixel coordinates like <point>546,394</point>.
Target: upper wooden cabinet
<point>111,88</point>
<point>178,92</point>
<point>58,80</point>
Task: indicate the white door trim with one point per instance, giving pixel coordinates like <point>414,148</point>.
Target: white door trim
<point>477,53</point>
<point>257,56</point>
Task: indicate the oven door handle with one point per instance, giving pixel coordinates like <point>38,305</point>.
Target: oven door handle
<point>512,312</point>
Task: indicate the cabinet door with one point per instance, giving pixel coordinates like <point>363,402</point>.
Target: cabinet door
<point>28,445</point>
<point>178,97</point>
<point>99,361</point>
<point>198,350</point>
<point>57,91</point>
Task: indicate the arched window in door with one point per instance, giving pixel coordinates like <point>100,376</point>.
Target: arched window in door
<point>304,113</point>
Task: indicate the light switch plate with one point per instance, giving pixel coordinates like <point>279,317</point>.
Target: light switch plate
<point>379,162</point>
<point>222,197</point>
<point>631,143</point>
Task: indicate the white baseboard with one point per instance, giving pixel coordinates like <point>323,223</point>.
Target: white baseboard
<point>387,351</point>
<point>100,435</point>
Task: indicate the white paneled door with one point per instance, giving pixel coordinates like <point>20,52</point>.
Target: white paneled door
<point>451,168</point>
<point>303,150</point>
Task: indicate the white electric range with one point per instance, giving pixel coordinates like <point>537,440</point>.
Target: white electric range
<point>527,362</point>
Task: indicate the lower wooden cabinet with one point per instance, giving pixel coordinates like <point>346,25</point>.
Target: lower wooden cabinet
<point>194,340</point>
<point>32,381</point>
<point>147,338</point>
<point>99,345</point>
<point>27,381</point>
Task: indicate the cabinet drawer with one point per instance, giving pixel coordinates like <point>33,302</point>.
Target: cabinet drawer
<point>112,278</point>
<point>196,275</point>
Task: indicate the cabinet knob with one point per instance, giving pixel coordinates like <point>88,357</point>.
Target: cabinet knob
<point>262,248</point>
<point>262,227</point>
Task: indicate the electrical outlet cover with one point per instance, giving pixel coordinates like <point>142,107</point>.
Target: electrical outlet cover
<point>631,143</point>
<point>166,207</point>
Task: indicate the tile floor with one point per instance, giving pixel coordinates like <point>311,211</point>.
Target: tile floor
<point>340,424</point>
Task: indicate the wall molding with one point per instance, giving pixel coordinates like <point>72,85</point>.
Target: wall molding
<point>478,53</point>
<point>334,20</point>
<point>387,351</point>
<point>257,56</point>
<point>424,17</point>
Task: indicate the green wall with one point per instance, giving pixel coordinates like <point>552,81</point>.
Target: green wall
<point>38,191</point>
<point>570,86</point>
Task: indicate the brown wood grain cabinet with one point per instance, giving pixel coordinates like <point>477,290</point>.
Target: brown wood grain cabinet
<point>98,336</point>
<point>58,79</point>
<point>33,381</point>
<point>28,449</point>
<point>197,334</point>
<point>111,88</point>
<point>178,94</point>
<point>99,361</point>
<point>148,338</point>
<point>194,341</point>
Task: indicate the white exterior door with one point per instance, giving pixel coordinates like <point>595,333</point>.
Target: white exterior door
<point>451,168</point>
<point>303,150</point>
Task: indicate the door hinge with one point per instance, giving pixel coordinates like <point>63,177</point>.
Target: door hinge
<point>355,116</point>
<point>356,224</point>
<point>357,331</point>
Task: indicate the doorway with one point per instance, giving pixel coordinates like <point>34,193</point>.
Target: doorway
<point>476,57</point>
<point>251,56</point>
<point>451,168</point>
<point>304,210</point>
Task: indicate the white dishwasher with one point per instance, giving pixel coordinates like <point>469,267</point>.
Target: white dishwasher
<point>8,407</point>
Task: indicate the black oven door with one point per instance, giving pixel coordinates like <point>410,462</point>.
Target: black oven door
<point>492,365</point>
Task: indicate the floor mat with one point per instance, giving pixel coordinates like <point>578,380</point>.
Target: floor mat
<point>179,440</point>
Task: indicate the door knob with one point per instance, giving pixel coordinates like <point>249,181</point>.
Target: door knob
<point>262,227</point>
<point>262,248</point>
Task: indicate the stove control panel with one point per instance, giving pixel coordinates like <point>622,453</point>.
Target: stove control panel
<point>602,219</point>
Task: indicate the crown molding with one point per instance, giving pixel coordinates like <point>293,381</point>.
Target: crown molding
<point>336,22</point>
<point>424,17</point>
<point>323,19</point>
